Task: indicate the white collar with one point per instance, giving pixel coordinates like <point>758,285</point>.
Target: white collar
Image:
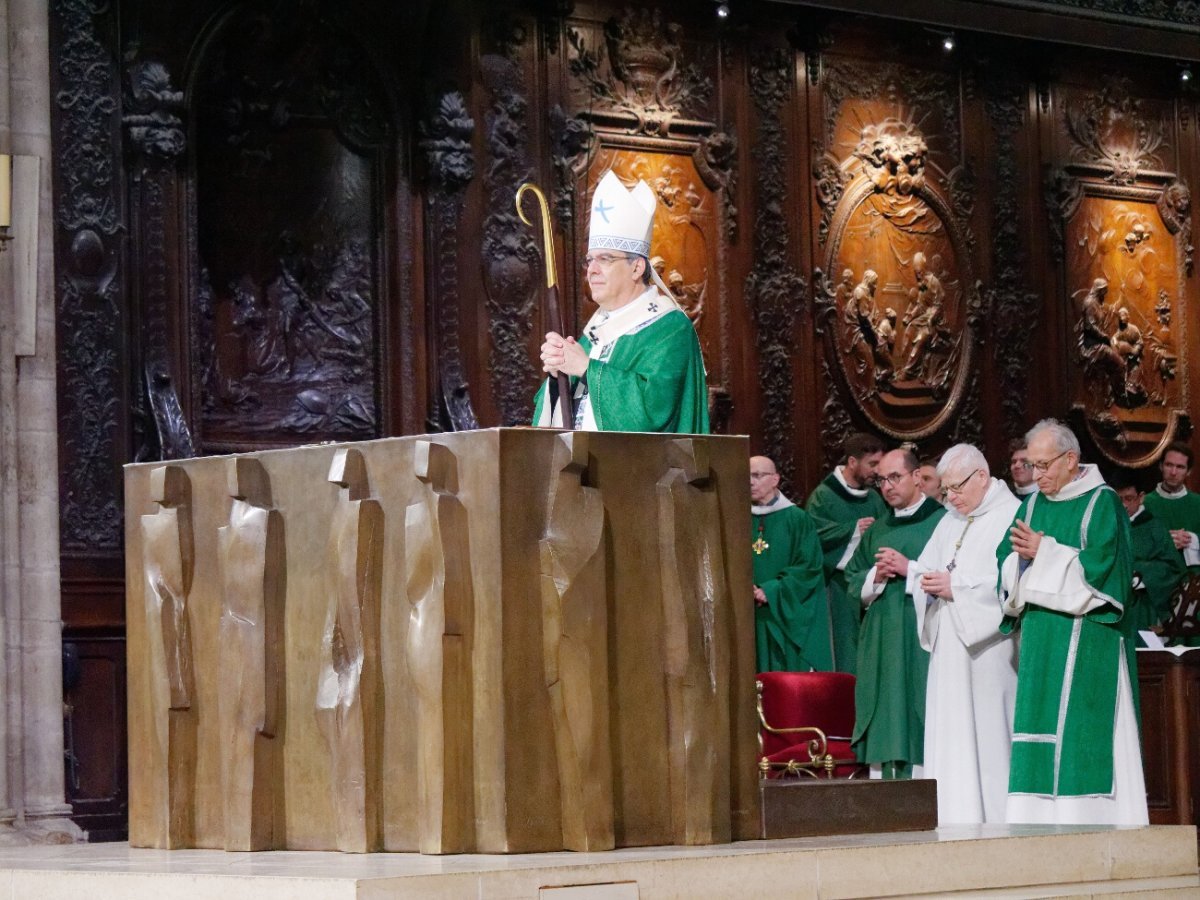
<point>1171,495</point>
<point>1141,509</point>
<point>780,502</point>
<point>1024,490</point>
<point>605,327</point>
<point>910,510</point>
<point>1089,478</point>
<point>854,492</point>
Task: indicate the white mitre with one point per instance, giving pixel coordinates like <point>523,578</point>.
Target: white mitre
<point>623,220</point>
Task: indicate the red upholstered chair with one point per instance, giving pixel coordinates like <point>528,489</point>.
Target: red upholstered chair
<point>806,719</point>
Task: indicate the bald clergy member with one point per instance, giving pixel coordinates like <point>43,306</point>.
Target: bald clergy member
<point>889,696</point>
<point>1175,506</point>
<point>1065,572</point>
<point>972,666</point>
<point>791,613</point>
<point>842,507</point>
<point>637,366</point>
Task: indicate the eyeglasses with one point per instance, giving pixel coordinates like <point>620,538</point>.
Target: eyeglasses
<point>1043,466</point>
<point>603,260</point>
<point>757,476</point>
<point>894,479</point>
<point>1023,464</point>
<point>958,488</point>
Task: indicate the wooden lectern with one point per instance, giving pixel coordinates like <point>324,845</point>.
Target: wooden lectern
<point>512,640</point>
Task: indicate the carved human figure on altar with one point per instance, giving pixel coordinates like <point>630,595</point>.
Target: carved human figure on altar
<point>348,687</point>
<point>253,575</point>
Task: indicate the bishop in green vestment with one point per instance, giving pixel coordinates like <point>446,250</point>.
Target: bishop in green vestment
<point>791,614</point>
<point>1066,570</point>
<point>889,696</point>
<point>637,366</point>
<point>842,507</point>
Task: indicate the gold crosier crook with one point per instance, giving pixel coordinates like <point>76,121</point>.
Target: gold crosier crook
<point>559,388</point>
<point>547,231</point>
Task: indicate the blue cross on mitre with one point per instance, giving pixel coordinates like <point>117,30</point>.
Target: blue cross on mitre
<point>603,210</point>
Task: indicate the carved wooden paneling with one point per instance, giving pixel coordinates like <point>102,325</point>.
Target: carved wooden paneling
<point>93,405</point>
<point>511,257</point>
<point>286,315</point>
<point>1123,217</point>
<point>903,306</point>
<point>774,288</point>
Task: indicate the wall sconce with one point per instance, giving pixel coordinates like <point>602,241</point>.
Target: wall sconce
<point>5,201</point>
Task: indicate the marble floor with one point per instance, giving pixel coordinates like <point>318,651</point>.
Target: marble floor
<point>983,861</point>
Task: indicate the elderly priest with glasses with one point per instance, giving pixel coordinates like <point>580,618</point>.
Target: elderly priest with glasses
<point>1065,573</point>
<point>637,366</point>
<point>972,666</point>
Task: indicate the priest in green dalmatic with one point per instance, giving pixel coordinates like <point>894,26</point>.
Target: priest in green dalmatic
<point>889,696</point>
<point>791,611</point>
<point>637,365</point>
<point>1066,573</point>
<point>842,507</point>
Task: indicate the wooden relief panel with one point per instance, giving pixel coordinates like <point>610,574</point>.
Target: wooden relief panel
<point>291,127</point>
<point>1122,218</point>
<point>900,293</point>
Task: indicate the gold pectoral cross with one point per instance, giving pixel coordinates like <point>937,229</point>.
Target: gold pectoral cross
<point>759,546</point>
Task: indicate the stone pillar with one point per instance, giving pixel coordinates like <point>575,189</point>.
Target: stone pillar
<point>32,790</point>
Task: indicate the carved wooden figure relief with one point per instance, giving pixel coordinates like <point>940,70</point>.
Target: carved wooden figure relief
<point>575,647</point>
<point>900,308</point>
<point>253,582</point>
<point>348,704</point>
<point>1124,227</point>
<point>438,579</point>
<point>168,555</point>
<point>695,661</point>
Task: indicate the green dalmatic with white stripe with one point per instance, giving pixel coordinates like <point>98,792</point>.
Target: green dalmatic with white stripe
<point>1069,665</point>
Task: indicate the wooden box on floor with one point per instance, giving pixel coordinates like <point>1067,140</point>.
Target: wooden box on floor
<point>510,640</point>
<point>1170,694</point>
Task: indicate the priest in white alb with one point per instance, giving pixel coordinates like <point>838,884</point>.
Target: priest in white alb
<point>972,667</point>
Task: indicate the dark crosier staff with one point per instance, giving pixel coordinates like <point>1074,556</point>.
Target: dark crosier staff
<point>554,316</point>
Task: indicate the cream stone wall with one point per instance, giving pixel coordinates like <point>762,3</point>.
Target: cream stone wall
<point>32,807</point>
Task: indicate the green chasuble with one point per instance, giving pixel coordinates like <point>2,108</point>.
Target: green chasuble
<point>646,373</point>
<point>1159,566</point>
<point>1068,604</point>
<point>889,696</point>
<point>792,629</point>
<point>836,511</point>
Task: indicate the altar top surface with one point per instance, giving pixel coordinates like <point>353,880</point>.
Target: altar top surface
<point>1021,861</point>
<point>452,436</point>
